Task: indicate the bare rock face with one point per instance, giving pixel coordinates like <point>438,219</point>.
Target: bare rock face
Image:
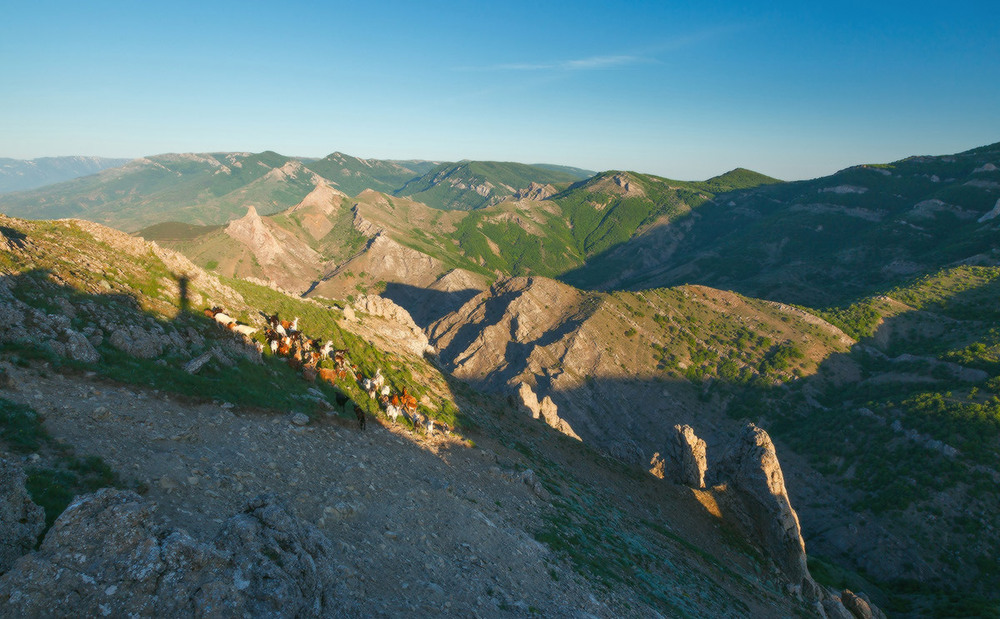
<point>22,520</point>
<point>689,456</point>
<point>756,499</point>
<point>401,326</point>
<point>105,556</point>
<point>529,401</point>
<point>546,410</point>
<point>535,191</point>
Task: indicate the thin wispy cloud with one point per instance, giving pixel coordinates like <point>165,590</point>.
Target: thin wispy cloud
<point>648,55</point>
<point>579,64</point>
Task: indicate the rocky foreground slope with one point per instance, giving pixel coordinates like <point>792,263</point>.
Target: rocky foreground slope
<point>504,517</point>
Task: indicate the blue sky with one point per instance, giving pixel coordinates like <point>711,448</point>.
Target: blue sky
<point>794,90</point>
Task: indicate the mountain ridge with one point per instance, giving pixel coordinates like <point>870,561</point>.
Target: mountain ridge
<point>27,174</point>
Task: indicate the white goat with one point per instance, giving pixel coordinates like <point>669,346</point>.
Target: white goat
<point>393,412</point>
<point>224,319</point>
<point>243,329</point>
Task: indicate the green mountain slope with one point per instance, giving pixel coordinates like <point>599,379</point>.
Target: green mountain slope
<point>823,240</point>
<point>523,237</point>
<point>352,175</point>
<point>205,189</point>
<point>195,188</point>
<point>470,185</point>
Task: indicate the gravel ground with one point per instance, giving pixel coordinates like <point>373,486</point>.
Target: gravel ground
<point>425,525</point>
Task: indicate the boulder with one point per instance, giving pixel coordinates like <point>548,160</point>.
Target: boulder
<point>689,457</point>
<point>859,607</point>
<point>137,342</point>
<point>23,521</point>
<point>74,345</point>
<point>105,556</point>
<point>281,565</point>
<point>755,499</point>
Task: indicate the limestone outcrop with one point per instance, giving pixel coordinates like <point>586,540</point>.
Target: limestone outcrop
<point>860,607</point>
<point>105,556</point>
<point>688,455</point>
<point>400,325</point>
<point>755,498</point>
<point>546,410</point>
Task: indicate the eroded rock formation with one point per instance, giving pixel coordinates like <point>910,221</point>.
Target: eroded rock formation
<point>544,409</point>
<point>688,455</point>
<point>755,498</point>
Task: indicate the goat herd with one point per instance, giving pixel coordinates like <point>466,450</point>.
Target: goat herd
<point>305,354</point>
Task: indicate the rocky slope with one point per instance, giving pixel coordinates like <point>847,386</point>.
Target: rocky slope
<point>414,522</point>
<point>593,353</point>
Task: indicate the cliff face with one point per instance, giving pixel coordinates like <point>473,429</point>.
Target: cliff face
<point>757,501</point>
<point>284,258</point>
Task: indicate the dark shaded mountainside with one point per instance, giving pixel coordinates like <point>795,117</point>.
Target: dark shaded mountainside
<point>824,240</point>
<point>110,380</point>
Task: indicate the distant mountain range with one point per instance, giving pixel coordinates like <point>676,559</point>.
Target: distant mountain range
<point>822,241</point>
<point>25,174</point>
<point>213,188</point>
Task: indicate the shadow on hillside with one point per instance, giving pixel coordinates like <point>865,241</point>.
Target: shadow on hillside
<point>13,237</point>
<point>765,242</point>
<point>140,347</point>
<point>426,305</point>
<point>866,443</point>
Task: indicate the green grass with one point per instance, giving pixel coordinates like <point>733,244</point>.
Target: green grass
<point>52,487</point>
<point>21,428</point>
